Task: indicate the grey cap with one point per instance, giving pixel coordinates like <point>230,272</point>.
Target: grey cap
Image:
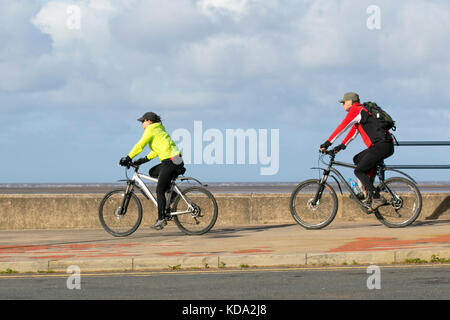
<point>350,96</point>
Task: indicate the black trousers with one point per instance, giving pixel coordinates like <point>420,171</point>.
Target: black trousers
<point>367,160</point>
<point>164,172</point>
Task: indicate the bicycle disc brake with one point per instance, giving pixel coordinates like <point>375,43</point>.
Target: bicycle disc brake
<point>313,206</point>
<point>118,213</point>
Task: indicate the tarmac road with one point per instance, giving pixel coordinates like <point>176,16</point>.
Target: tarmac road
<point>400,282</point>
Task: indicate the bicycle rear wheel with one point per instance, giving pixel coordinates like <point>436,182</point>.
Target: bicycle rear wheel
<point>112,220</point>
<point>405,203</point>
<point>308,214</point>
<point>203,214</point>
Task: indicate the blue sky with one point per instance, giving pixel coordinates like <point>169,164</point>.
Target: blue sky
<point>70,97</point>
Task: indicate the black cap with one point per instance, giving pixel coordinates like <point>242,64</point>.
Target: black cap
<point>153,117</point>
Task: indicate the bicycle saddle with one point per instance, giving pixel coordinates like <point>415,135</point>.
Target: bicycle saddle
<point>180,171</point>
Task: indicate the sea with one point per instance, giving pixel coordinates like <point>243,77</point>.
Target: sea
<point>215,187</point>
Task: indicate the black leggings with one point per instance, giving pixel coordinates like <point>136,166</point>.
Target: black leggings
<point>367,160</point>
<point>164,172</point>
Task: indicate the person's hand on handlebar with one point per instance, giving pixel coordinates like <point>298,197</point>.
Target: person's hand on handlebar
<point>324,146</point>
<point>125,161</point>
<point>339,148</point>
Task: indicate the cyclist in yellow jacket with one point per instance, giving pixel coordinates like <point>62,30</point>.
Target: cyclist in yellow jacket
<point>162,146</point>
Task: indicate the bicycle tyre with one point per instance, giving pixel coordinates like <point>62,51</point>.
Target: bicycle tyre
<point>205,201</point>
<point>390,215</point>
<point>115,224</point>
<point>302,210</point>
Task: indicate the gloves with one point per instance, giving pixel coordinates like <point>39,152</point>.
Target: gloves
<point>140,161</point>
<point>125,161</point>
<point>339,148</point>
<point>325,145</point>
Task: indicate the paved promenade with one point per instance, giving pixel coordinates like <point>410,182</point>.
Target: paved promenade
<point>239,246</point>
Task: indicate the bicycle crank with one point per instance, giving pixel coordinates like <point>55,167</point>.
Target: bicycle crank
<point>397,203</point>
<point>196,211</point>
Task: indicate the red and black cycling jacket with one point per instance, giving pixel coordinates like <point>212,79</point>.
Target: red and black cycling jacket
<point>359,120</point>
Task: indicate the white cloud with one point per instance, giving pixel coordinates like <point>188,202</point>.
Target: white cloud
<point>147,91</point>
<point>288,59</point>
<point>30,75</point>
<point>159,26</point>
<point>56,17</point>
<point>414,35</point>
<point>121,43</point>
<point>229,55</point>
<point>235,8</point>
<point>52,20</point>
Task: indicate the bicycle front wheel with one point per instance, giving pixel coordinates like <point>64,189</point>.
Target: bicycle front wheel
<point>405,203</point>
<point>117,221</point>
<point>312,215</point>
<point>201,208</point>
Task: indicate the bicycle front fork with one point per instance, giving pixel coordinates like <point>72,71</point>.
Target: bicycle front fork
<point>321,187</point>
<point>126,199</point>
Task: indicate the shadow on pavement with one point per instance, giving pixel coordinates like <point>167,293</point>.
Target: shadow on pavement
<point>443,207</point>
<point>230,232</point>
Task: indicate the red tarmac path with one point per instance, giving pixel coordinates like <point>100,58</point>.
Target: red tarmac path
<point>262,245</point>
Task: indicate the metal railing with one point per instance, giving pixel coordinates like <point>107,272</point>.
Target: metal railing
<point>422,143</point>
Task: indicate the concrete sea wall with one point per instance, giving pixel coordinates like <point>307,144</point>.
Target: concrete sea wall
<point>73,211</point>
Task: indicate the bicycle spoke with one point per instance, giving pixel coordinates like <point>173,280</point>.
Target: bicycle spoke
<point>114,219</point>
<point>202,208</point>
<point>405,203</point>
<point>309,214</point>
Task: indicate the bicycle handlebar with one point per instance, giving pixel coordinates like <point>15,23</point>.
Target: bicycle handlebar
<point>330,153</point>
<point>131,164</point>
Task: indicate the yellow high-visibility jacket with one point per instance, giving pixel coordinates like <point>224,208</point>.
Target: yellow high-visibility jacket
<point>158,140</point>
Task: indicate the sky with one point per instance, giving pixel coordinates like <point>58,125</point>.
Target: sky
<point>76,75</point>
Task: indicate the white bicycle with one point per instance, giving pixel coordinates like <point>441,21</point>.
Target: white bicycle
<point>193,209</point>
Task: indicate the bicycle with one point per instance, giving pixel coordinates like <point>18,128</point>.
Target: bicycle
<point>314,204</point>
<point>193,209</point>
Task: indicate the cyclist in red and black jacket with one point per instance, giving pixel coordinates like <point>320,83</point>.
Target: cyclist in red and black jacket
<point>379,142</point>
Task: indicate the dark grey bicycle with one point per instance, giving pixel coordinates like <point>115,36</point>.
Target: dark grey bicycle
<point>314,204</point>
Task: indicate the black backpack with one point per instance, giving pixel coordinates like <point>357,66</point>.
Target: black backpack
<point>384,119</point>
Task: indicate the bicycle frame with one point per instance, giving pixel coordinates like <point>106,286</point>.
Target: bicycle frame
<point>341,178</point>
<point>326,172</point>
<point>137,180</point>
